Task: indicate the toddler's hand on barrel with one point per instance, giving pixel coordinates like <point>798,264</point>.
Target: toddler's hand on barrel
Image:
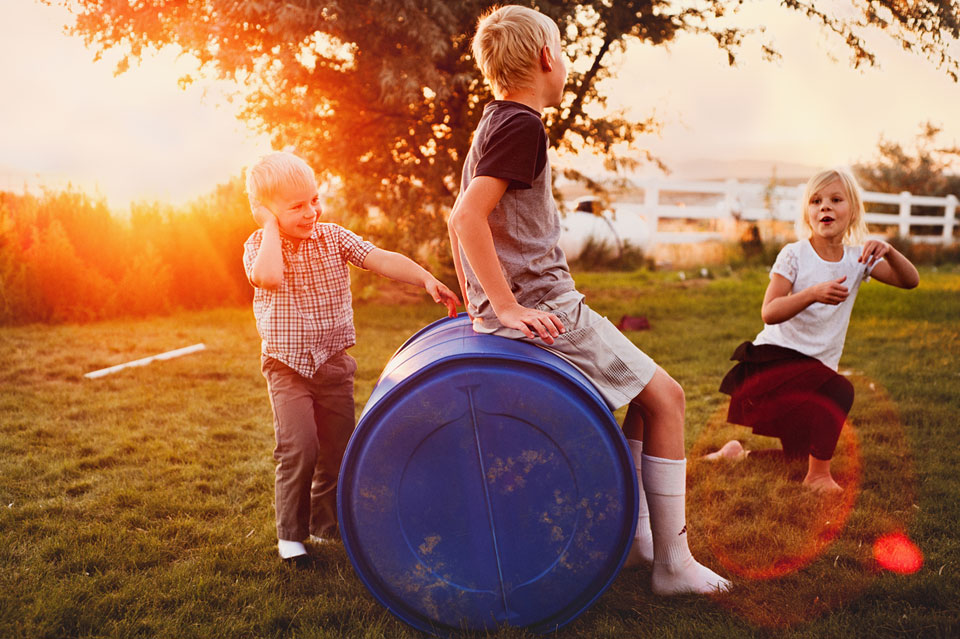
<point>443,295</point>
<point>529,320</point>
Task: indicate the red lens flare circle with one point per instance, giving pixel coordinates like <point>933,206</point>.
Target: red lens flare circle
<point>896,553</point>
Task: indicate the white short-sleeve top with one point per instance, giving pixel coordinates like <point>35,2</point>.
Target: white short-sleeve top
<point>820,329</point>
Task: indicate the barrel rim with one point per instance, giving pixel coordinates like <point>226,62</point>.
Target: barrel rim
<point>443,320</point>
<point>516,349</point>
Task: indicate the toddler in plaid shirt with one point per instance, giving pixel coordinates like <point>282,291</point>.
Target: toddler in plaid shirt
<point>302,305</point>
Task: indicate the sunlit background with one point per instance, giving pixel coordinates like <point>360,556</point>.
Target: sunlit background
<point>67,119</point>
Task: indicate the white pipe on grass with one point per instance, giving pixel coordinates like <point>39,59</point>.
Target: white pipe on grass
<point>146,360</point>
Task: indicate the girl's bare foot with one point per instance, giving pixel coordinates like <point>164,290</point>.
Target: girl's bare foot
<point>822,484</point>
<point>731,450</point>
<point>819,478</point>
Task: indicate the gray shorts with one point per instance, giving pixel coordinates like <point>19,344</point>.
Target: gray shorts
<point>614,364</point>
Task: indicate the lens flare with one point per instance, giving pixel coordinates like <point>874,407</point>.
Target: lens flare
<point>786,547</point>
<point>896,553</point>
<point>809,536</point>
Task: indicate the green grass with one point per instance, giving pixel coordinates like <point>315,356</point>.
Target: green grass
<point>140,504</point>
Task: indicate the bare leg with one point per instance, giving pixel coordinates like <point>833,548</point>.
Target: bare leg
<point>661,407</point>
<point>633,422</point>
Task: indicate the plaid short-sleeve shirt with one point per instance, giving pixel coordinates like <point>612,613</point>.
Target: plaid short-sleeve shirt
<point>309,318</point>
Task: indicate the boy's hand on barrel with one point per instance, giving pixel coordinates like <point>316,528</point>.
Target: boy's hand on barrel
<point>442,295</point>
<point>527,320</point>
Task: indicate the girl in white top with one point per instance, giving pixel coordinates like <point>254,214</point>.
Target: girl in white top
<point>786,384</point>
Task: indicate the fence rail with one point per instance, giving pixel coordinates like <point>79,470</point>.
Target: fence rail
<point>728,202</point>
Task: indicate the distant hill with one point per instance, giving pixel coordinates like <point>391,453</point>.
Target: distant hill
<point>762,171</point>
<point>745,170</point>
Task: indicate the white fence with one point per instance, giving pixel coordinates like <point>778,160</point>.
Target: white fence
<point>711,211</point>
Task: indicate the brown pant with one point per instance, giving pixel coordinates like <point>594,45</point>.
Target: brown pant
<point>312,420</point>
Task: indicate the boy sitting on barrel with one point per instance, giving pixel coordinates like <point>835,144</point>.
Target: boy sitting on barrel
<point>516,283</point>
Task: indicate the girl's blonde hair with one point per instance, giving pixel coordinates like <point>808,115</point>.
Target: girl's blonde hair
<point>276,173</point>
<point>856,231</point>
<point>507,45</point>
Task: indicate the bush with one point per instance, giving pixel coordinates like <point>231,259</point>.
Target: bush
<point>930,254</point>
<point>65,257</point>
<point>597,255</point>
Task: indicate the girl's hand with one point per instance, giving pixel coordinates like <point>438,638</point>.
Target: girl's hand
<point>832,292</point>
<point>873,250</point>
<point>442,295</point>
<point>547,325</point>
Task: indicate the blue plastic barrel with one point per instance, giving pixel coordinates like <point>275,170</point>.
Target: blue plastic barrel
<point>486,484</point>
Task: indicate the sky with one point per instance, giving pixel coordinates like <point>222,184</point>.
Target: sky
<point>810,107</point>
<point>67,119</point>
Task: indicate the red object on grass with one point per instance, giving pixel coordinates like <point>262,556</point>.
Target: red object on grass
<point>634,323</point>
<point>898,554</point>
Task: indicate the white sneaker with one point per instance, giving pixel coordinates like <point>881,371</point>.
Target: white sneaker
<point>290,549</point>
<point>321,541</point>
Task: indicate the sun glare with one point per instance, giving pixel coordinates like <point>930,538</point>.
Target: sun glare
<point>896,553</point>
<point>134,136</point>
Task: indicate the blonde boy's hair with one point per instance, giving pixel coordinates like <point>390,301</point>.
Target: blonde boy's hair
<point>856,231</point>
<point>275,173</point>
<point>507,45</point>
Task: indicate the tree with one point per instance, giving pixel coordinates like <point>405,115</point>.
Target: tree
<point>64,288</point>
<point>381,96</point>
<point>927,169</point>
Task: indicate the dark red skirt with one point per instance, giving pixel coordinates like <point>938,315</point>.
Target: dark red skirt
<point>768,384</point>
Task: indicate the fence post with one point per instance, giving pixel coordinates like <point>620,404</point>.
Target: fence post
<point>949,214</point>
<point>731,198</point>
<point>651,202</point>
<point>904,225</point>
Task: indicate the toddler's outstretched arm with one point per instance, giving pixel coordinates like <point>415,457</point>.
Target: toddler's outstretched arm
<point>403,269</point>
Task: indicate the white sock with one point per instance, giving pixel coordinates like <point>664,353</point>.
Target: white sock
<point>290,549</point>
<point>642,548</point>
<point>675,570</point>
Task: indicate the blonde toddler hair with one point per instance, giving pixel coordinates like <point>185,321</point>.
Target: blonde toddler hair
<point>856,231</point>
<point>276,173</point>
<point>507,45</point>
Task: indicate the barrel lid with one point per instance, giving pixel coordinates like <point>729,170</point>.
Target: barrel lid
<point>485,485</point>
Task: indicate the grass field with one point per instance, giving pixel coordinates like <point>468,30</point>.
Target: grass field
<point>139,504</point>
